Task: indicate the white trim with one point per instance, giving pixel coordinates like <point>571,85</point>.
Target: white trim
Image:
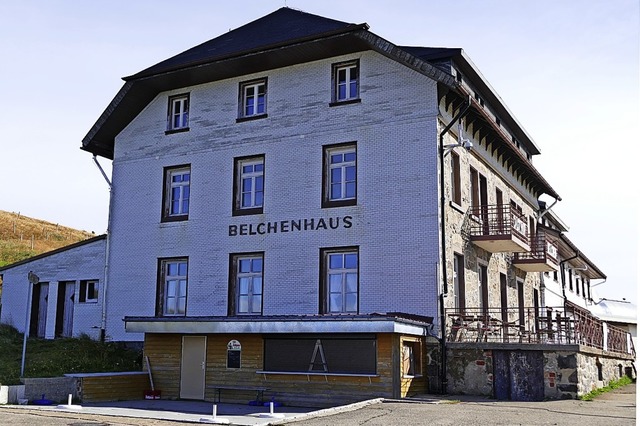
<point>254,326</point>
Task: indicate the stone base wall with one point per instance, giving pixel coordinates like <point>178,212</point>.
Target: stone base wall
<point>470,371</point>
<point>569,372</point>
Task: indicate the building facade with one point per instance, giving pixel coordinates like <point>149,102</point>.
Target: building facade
<point>309,213</point>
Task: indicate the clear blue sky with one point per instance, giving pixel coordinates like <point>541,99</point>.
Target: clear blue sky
<point>568,70</point>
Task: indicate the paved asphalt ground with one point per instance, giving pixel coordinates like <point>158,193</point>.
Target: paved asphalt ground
<point>616,408</point>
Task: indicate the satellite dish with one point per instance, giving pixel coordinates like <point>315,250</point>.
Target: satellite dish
<point>33,278</point>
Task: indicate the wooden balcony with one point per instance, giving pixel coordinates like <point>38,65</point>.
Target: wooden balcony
<point>499,229</point>
<point>543,256</point>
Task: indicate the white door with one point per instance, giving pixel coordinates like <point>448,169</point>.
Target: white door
<point>69,295</point>
<point>192,368</point>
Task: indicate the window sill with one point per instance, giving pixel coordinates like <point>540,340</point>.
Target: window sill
<point>247,212</point>
<point>310,373</point>
<point>326,204</point>
<point>251,118</point>
<point>180,130</point>
<point>408,376</point>
<point>347,102</point>
<point>456,206</point>
<point>169,219</point>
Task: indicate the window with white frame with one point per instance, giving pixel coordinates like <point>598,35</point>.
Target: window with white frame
<point>177,188</point>
<point>178,113</point>
<point>340,177</point>
<point>253,99</point>
<point>172,288</point>
<point>249,185</point>
<point>458,282</point>
<point>88,291</point>
<point>346,85</point>
<point>340,284</point>
<point>245,288</point>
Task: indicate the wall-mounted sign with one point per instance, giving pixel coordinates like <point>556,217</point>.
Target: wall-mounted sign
<point>282,226</point>
<point>234,349</point>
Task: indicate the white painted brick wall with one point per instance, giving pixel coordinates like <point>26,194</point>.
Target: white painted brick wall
<point>394,222</point>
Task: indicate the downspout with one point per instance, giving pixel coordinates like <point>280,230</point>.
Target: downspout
<point>443,245</point>
<point>103,319</point>
<point>562,277</point>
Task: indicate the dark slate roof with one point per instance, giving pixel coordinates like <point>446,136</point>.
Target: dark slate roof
<point>280,27</point>
<point>280,39</point>
<point>432,53</point>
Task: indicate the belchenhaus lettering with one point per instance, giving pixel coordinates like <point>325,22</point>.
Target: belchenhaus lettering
<point>283,226</point>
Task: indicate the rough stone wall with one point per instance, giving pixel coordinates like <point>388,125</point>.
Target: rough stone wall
<point>457,229</point>
<point>568,374</point>
<point>470,371</point>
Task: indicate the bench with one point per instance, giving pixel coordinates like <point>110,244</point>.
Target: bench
<point>259,390</point>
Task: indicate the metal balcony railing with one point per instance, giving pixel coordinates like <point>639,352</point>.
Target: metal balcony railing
<point>549,325</point>
<point>542,249</point>
<point>499,220</point>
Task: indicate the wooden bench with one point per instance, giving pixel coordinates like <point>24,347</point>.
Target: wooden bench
<point>259,390</point>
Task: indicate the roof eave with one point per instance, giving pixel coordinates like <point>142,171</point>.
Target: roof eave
<point>472,72</point>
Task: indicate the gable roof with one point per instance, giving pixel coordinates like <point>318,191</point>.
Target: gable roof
<point>282,38</point>
<point>277,28</point>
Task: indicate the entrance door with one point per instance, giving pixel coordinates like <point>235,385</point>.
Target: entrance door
<point>518,375</point>
<point>192,369</point>
<point>64,309</point>
<point>38,324</point>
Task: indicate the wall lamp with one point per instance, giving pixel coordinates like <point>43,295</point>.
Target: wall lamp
<point>464,143</point>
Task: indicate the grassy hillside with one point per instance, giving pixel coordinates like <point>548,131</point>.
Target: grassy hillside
<point>22,237</point>
<point>53,358</point>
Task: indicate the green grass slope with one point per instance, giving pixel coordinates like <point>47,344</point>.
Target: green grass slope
<point>53,358</point>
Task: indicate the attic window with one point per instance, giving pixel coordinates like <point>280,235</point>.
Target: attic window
<point>345,80</point>
<point>253,99</point>
<point>178,113</point>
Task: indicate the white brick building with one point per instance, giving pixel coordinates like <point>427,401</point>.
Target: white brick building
<point>277,213</point>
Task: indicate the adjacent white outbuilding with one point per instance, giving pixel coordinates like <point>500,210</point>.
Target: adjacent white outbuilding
<point>67,300</point>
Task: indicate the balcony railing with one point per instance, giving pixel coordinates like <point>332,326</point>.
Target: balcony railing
<point>534,326</point>
<point>542,257</point>
<point>499,228</point>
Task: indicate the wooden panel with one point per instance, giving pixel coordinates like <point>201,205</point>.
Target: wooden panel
<point>164,351</point>
<point>114,388</point>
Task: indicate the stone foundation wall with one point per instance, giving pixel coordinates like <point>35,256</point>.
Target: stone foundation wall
<point>569,372</point>
<point>470,371</point>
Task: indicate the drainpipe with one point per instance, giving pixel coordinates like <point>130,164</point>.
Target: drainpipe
<point>443,245</point>
<point>103,319</point>
<point>562,278</point>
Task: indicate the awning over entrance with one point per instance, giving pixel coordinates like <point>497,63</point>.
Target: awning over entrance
<point>373,323</point>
